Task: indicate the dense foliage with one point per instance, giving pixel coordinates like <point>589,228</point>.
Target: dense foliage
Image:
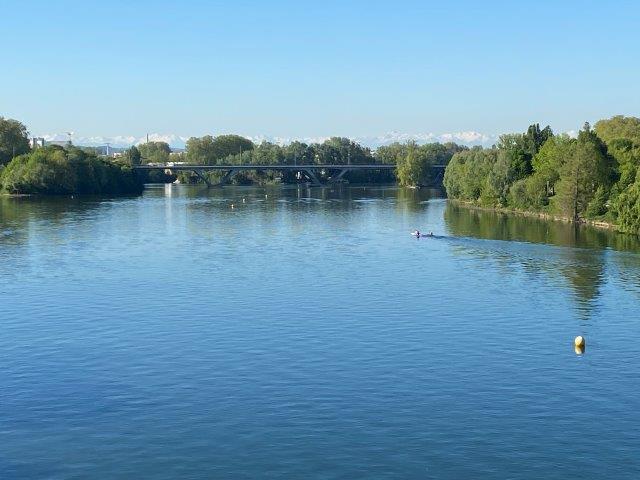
<point>233,150</point>
<point>14,140</point>
<point>594,176</point>
<point>208,150</point>
<point>418,164</point>
<point>153,152</point>
<point>55,170</point>
<point>414,162</point>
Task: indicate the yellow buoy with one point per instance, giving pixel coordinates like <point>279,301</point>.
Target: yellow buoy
<point>579,341</point>
<point>579,350</point>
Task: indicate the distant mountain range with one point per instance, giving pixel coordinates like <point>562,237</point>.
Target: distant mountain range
<point>177,142</point>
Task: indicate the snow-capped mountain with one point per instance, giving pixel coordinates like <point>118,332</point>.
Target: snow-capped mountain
<point>178,141</point>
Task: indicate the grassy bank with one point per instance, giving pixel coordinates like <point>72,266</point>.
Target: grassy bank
<point>542,215</point>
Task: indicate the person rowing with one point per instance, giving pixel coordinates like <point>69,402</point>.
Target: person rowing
<point>418,234</point>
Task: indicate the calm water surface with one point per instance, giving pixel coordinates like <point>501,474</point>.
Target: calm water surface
<point>306,334</point>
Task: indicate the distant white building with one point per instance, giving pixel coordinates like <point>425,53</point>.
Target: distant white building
<point>36,142</point>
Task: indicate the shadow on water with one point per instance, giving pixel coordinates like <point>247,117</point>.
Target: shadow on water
<point>462,221</point>
<point>19,216</point>
<point>579,256</point>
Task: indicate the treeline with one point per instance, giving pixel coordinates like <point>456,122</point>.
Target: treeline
<point>27,175</point>
<point>591,177</point>
<point>414,161</point>
<point>55,170</point>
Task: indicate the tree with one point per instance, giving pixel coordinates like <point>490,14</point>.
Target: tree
<point>627,208</point>
<point>467,174</point>
<point>619,127</point>
<point>132,156</point>
<point>210,150</point>
<point>514,146</point>
<point>411,170</point>
<point>14,139</point>
<point>154,152</point>
<point>415,162</point>
<point>55,170</point>
<point>548,161</point>
<point>521,148</point>
<point>393,153</point>
<point>498,182</point>
<point>535,138</point>
<point>585,170</point>
<point>627,157</point>
<point>297,153</point>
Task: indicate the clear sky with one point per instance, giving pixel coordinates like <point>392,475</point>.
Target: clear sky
<point>308,69</point>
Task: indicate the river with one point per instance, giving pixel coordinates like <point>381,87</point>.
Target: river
<point>303,333</point>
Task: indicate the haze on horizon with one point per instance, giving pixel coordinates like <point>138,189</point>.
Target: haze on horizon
<point>287,69</point>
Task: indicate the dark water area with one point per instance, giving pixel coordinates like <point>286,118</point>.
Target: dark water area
<point>304,333</point>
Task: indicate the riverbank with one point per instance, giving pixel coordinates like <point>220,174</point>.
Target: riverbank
<point>542,215</point>
<point>14,195</point>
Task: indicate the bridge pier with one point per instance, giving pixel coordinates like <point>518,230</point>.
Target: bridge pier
<point>227,177</point>
<point>337,178</point>
<point>202,177</point>
<point>312,176</point>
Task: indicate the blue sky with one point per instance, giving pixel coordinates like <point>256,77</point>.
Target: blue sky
<point>311,69</point>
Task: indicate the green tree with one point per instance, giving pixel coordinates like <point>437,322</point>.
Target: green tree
<point>467,174</point>
<point>210,150</point>
<point>55,170</point>
<point>154,152</point>
<point>548,161</point>
<point>627,157</point>
<point>521,148</point>
<point>627,208</point>
<point>14,139</point>
<point>412,169</point>
<point>619,127</point>
<point>297,153</point>
<point>535,138</point>
<point>514,146</point>
<point>132,156</point>
<point>393,153</point>
<point>587,169</point>
<point>415,163</point>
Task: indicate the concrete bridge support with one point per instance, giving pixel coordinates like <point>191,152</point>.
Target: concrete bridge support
<point>312,176</point>
<point>227,177</point>
<point>202,177</point>
<point>338,177</point>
